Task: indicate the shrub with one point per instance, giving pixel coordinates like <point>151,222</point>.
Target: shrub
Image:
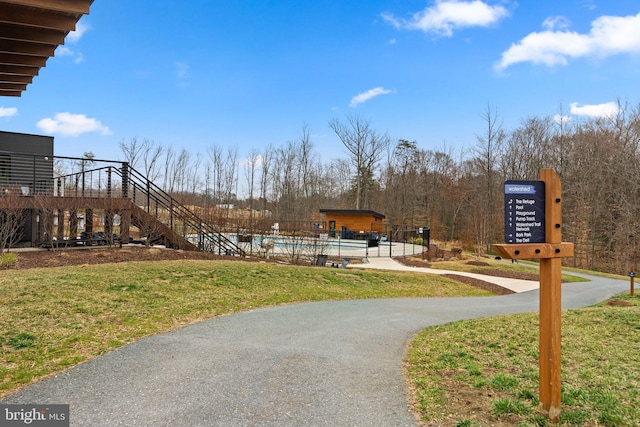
<point>8,260</point>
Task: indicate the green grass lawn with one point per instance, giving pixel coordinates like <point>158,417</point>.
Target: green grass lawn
<point>485,372</point>
<point>471,373</point>
<point>51,319</point>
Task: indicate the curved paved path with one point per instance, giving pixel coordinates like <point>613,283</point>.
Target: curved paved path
<point>315,364</point>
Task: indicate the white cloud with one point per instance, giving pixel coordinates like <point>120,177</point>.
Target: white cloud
<point>449,15</point>
<point>64,51</point>
<point>8,111</point>
<point>609,35</point>
<point>76,35</point>
<point>609,109</point>
<point>561,119</point>
<point>67,124</point>
<point>72,38</point>
<point>182,69</point>
<point>365,96</point>
<point>588,4</point>
<point>77,56</point>
<point>556,23</point>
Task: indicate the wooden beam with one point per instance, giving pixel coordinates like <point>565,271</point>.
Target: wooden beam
<point>30,32</point>
<point>13,78</point>
<point>69,6</point>
<point>535,250</point>
<point>33,34</point>
<point>16,59</point>
<point>19,70</point>
<point>551,301</point>
<point>37,17</point>
<point>10,93</point>
<point>27,48</point>
<point>13,86</point>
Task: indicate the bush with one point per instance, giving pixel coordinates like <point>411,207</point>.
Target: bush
<point>8,260</point>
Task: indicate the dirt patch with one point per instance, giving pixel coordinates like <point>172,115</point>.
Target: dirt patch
<point>522,275</point>
<point>67,257</point>
<point>414,262</point>
<point>102,255</point>
<point>481,284</point>
<point>479,263</point>
<point>619,303</point>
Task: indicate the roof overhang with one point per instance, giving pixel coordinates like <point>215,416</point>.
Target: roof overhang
<point>30,32</point>
<point>352,212</point>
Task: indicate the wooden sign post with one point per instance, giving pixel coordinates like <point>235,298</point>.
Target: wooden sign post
<point>550,254</point>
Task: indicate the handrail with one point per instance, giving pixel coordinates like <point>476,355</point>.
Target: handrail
<point>157,195</point>
<point>30,174</point>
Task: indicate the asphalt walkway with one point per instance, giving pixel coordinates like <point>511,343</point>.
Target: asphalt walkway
<point>336,363</point>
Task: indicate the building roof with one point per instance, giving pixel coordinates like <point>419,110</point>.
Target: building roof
<point>30,32</point>
<point>353,212</point>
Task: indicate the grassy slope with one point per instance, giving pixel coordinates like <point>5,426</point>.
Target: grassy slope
<point>485,372</point>
<point>51,319</point>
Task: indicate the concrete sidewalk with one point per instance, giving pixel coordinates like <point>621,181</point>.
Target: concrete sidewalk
<point>516,285</point>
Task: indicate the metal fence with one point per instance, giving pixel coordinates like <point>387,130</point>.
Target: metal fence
<point>58,176</point>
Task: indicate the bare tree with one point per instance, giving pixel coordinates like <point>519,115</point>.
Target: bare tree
<point>132,151</point>
<point>286,180</point>
<point>150,231</point>
<point>265,169</point>
<point>12,219</point>
<point>528,149</point>
<point>306,160</point>
<point>180,169</point>
<point>169,178</point>
<point>151,159</point>
<point>143,153</point>
<point>488,151</point>
<point>217,162</point>
<point>562,127</point>
<point>250,166</point>
<point>365,147</point>
<point>338,178</point>
<point>194,180</point>
<point>231,175</point>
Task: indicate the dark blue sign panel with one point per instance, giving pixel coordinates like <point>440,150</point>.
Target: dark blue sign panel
<point>524,212</point>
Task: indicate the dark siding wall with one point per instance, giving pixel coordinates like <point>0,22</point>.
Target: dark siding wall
<point>26,162</point>
<point>25,143</point>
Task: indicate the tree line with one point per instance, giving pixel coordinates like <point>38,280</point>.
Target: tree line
<point>458,193</point>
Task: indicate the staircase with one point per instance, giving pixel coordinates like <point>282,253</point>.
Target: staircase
<point>161,215</point>
<point>55,183</point>
<point>156,231</point>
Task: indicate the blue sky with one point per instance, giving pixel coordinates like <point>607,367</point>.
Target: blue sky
<point>192,74</point>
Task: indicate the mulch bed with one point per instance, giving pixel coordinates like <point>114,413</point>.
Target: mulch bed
<point>481,284</point>
<point>67,257</point>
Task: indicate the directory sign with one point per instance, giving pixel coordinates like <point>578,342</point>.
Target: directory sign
<point>524,212</point>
